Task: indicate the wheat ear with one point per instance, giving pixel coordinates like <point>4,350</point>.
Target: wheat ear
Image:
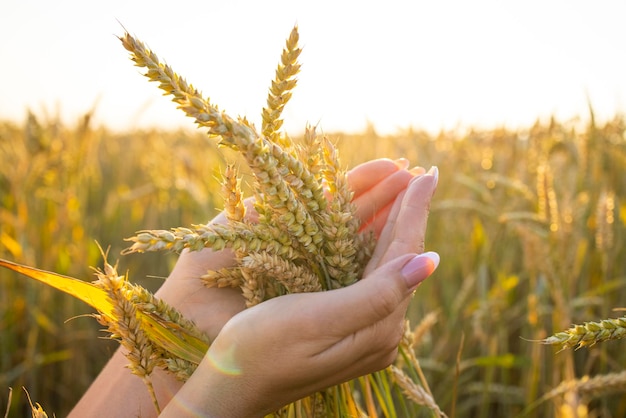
<point>280,91</point>
<point>126,327</point>
<point>591,387</point>
<point>234,207</point>
<point>235,235</point>
<point>36,410</point>
<point>414,392</point>
<point>589,333</point>
<point>295,278</point>
<point>339,224</point>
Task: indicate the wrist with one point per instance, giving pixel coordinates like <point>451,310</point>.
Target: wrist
<point>213,393</point>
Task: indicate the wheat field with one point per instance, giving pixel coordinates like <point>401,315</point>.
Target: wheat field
<point>529,224</point>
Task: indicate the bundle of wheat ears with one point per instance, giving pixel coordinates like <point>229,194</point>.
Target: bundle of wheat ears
<point>306,237</point>
<point>304,240</point>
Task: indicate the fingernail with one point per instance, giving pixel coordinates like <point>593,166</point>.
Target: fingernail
<point>402,163</point>
<point>419,268</point>
<point>434,171</point>
<point>417,171</point>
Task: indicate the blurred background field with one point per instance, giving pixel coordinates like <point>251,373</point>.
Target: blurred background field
<point>530,225</point>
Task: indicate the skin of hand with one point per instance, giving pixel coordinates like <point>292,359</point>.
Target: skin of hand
<point>375,184</point>
<point>291,346</point>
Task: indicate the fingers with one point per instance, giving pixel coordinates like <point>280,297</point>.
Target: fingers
<point>326,338</point>
<point>377,297</point>
<point>364,176</point>
<point>410,229</point>
<point>380,304</point>
<point>381,195</point>
<point>405,229</point>
<point>377,222</point>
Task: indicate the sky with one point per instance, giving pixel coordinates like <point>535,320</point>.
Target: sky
<point>428,65</point>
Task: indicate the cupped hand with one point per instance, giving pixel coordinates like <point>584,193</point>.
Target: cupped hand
<point>375,184</point>
<point>291,346</point>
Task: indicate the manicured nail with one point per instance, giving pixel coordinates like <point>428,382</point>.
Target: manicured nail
<point>402,163</point>
<point>417,171</point>
<point>419,268</point>
<point>434,171</point>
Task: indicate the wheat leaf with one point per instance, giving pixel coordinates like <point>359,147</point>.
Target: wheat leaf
<point>179,343</point>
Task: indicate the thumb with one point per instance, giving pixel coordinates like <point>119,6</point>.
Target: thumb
<point>384,290</point>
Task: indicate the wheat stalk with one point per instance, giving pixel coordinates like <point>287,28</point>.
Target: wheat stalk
<point>605,218</point>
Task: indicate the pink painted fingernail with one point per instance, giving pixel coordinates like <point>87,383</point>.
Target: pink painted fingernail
<point>434,171</point>
<point>419,268</point>
<point>402,163</point>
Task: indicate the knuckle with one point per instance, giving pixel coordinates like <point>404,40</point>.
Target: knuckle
<point>386,302</point>
<point>385,359</point>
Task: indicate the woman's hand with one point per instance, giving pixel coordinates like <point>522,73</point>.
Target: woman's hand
<point>375,184</point>
<point>291,346</point>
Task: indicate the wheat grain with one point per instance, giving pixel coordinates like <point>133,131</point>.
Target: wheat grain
<point>181,369</point>
<point>253,286</point>
<point>234,207</point>
<point>225,277</point>
<point>146,302</point>
<point>294,278</point>
<point>300,178</point>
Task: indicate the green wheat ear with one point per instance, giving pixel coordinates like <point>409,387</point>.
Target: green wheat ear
<point>589,333</point>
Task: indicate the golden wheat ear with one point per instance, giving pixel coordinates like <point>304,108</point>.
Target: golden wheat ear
<point>36,409</point>
<point>184,344</point>
<point>280,91</point>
